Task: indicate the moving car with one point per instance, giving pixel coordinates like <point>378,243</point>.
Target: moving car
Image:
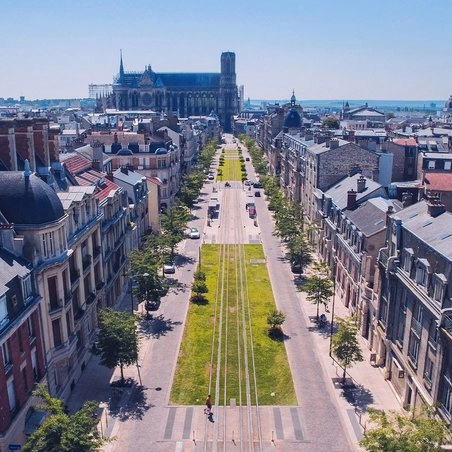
<point>194,233</point>
<point>258,185</point>
<point>169,267</point>
<point>257,193</point>
<point>247,159</point>
<point>211,176</point>
<point>252,212</point>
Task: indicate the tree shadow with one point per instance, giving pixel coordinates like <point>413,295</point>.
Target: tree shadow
<point>130,405</point>
<point>199,300</point>
<point>277,334</point>
<point>156,326</point>
<point>177,286</point>
<point>358,396</point>
<point>184,260</point>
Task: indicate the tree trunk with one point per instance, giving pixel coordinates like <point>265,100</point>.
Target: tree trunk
<point>318,310</point>
<point>121,366</point>
<point>344,375</point>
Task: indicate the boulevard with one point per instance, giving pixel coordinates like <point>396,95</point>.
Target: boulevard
<point>322,419</point>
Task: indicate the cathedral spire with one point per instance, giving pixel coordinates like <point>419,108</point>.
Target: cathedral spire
<point>121,66</point>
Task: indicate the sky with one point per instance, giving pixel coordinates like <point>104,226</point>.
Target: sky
<point>328,49</point>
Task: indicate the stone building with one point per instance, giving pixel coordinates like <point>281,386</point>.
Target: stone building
<point>184,94</point>
<point>413,339</point>
<point>21,341</point>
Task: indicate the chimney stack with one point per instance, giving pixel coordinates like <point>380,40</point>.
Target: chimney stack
<point>351,198</point>
<point>361,184</point>
<point>407,199</point>
<point>434,206</point>
<point>334,143</point>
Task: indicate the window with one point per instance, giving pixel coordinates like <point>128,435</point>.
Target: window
<point>27,288</point>
<point>407,259</point>
<point>6,354</point>
<point>422,272</point>
<point>439,288</point>
<point>413,348</point>
<point>447,165</point>
<point>416,321</point>
<point>446,396</point>
<point>31,331</point>
<point>433,332</point>
<point>431,164</point>
<point>11,394</point>
<point>428,370</point>
<point>3,311</point>
<point>48,244</point>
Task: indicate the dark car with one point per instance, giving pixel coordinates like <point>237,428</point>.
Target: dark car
<point>257,193</point>
<point>252,212</point>
<point>247,159</point>
<point>258,185</point>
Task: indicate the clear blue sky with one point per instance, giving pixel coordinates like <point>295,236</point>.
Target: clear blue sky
<point>329,49</point>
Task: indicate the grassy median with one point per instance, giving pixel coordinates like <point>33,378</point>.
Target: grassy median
<point>200,343</point>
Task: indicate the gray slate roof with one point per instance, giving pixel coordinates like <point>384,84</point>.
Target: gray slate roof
<point>435,232</point>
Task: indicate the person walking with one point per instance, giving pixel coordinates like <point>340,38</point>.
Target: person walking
<point>208,409</point>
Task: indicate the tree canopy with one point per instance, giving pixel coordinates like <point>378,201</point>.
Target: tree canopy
<point>345,344</point>
<point>395,432</point>
<point>61,432</point>
<point>117,339</point>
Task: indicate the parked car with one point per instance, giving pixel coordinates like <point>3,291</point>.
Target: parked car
<point>247,159</point>
<point>252,212</point>
<point>169,267</point>
<point>257,193</point>
<point>248,183</point>
<point>258,185</point>
<point>211,176</point>
<point>194,233</point>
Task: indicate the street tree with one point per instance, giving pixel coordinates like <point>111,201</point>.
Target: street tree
<point>318,286</point>
<point>275,319</point>
<point>199,286</point>
<point>394,431</point>
<point>173,224</point>
<point>117,339</point>
<point>345,344</point>
<point>62,432</point>
<point>330,122</point>
<point>300,252</point>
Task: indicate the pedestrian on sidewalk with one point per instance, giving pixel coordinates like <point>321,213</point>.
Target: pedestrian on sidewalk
<point>208,409</point>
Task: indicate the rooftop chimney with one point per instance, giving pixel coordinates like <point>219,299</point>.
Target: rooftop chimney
<point>407,199</point>
<point>351,198</point>
<point>434,206</point>
<point>334,143</point>
<point>361,184</point>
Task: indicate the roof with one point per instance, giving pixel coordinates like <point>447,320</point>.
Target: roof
<point>104,185</point>
<point>75,163</point>
<point>10,267</point>
<point>321,148</point>
<point>435,232</point>
<point>405,141</point>
<point>181,80</point>
<point>370,216</point>
<point>28,200</point>
<point>438,181</point>
<point>339,192</point>
<point>128,176</point>
<point>75,193</point>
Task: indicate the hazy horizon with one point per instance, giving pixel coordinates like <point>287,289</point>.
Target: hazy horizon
<point>386,50</point>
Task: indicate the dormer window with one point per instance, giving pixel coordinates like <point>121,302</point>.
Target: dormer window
<point>422,272</point>
<point>439,287</point>
<point>27,288</point>
<point>407,259</point>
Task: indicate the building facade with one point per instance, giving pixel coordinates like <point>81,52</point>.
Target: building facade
<point>185,94</point>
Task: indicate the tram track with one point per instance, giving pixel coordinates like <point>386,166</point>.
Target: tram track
<point>231,297</point>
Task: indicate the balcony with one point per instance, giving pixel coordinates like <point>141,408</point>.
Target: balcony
<point>90,298</point>
<point>55,305</point>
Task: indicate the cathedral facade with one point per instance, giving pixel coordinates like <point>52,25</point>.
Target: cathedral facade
<point>182,94</point>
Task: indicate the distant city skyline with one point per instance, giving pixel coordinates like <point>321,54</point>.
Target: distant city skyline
<point>392,49</point>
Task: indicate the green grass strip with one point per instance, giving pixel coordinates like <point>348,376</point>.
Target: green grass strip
<point>191,381</point>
